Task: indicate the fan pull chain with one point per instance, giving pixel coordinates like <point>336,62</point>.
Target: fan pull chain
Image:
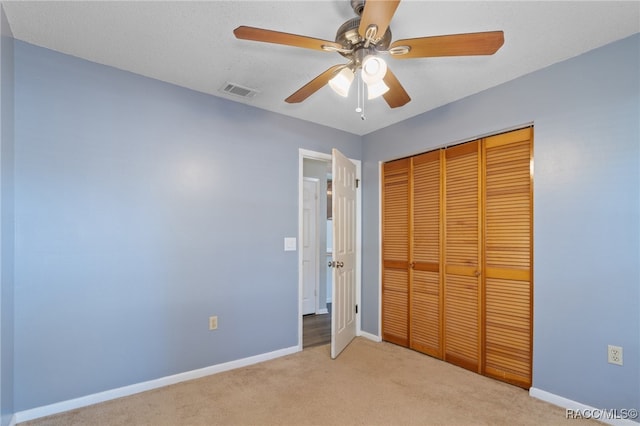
<point>360,107</point>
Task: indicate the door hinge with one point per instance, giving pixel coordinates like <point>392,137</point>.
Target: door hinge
<point>356,309</point>
<point>357,183</point>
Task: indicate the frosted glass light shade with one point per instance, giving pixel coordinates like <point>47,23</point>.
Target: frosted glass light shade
<point>375,90</point>
<point>342,82</point>
<point>373,69</point>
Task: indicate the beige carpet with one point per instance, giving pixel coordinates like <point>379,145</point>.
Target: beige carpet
<point>369,384</point>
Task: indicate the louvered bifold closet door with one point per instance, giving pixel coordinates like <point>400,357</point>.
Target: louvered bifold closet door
<point>395,252</point>
<point>462,256</point>
<point>424,298</point>
<point>508,257</point>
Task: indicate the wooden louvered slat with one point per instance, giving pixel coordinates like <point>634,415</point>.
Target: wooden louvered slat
<point>395,307</point>
<point>508,330</point>
<point>424,300</point>
<point>425,312</point>
<point>426,207</point>
<point>461,321</point>
<point>395,211</point>
<point>461,256</point>
<point>508,205</point>
<point>507,247</point>
<point>395,252</point>
<point>462,210</point>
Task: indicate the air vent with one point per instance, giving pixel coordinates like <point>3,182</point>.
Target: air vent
<point>237,90</point>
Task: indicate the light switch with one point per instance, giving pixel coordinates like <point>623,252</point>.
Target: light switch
<point>289,244</point>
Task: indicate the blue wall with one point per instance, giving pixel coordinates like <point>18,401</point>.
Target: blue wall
<point>586,212</point>
<point>141,209</point>
<point>6,221</point>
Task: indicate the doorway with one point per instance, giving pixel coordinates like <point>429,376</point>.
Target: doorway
<point>326,301</point>
<point>315,246</point>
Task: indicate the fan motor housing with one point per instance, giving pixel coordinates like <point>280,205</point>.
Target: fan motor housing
<point>349,37</point>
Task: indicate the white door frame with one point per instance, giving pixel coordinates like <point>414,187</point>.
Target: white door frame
<point>313,155</point>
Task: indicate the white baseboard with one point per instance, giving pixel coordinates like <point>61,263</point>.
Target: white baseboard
<point>96,398</point>
<point>12,421</point>
<point>369,336</point>
<point>323,311</point>
<point>580,409</point>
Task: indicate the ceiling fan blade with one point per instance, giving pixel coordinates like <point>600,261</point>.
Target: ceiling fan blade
<point>277,37</point>
<point>486,43</point>
<point>314,85</point>
<point>378,13</point>
<point>396,96</point>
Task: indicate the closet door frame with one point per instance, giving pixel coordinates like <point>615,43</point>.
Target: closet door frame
<point>481,268</point>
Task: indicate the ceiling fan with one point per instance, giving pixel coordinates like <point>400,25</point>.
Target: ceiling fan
<point>363,40</point>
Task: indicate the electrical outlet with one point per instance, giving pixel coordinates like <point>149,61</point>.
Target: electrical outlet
<point>213,322</point>
<point>615,355</point>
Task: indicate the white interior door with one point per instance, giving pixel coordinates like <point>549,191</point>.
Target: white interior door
<point>343,312</point>
<point>311,272</point>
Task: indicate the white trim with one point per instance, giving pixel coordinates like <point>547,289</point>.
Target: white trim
<point>370,336</point>
<point>12,421</point>
<point>323,311</point>
<point>569,404</point>
<point>72,404</point>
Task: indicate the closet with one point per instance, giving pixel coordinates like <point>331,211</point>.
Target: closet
<point>457,254</point>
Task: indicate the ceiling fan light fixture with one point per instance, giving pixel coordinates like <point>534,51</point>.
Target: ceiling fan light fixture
<point>342,82</point>
<point>374,69</point>
<point>375,90</point>
<point>362,40</point>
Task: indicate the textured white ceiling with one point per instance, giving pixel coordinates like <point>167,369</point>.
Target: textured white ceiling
<point>191,44</point>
